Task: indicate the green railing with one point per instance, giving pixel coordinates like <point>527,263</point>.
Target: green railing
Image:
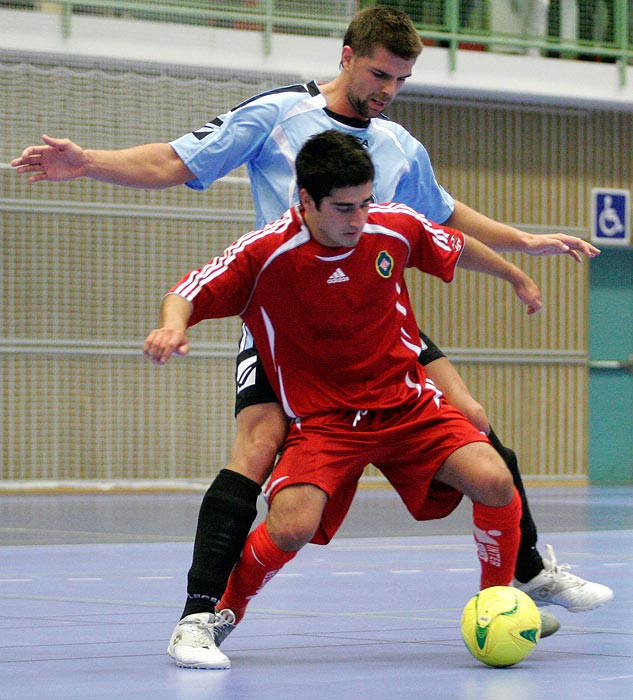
<point>440,22</point>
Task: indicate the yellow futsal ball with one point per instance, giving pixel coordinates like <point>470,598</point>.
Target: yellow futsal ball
<point>501,626</point>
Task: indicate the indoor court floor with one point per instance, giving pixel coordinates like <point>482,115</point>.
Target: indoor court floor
<point>92,585</point>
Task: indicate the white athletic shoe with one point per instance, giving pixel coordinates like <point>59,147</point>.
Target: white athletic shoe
<point>192,644</point>
<point>224,625</point>
<point>556,586</point>
<point>549,624</point>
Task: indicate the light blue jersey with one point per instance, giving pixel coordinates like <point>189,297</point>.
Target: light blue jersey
<point>268,130</point>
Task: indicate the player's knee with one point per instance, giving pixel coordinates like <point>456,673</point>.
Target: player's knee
<point>495,487</point>
<point>260,436</point>
<point>292,539</point>
<point>290,532</point>
<point>256,454</point>
<point>294,516</point>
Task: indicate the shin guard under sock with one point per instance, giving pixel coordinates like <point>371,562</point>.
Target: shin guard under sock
<point>497,535</point>
<point>227,512</point>
<point>529,559</point>
<point>261,559</point>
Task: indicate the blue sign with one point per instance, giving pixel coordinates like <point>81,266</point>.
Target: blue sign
<point>610,217</point>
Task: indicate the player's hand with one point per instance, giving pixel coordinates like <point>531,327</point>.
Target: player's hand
<point>529,294</point>
<point>162,343</point>
<point>59,159</point>
<point>560,244</point>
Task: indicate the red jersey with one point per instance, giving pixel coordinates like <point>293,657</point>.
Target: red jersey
<point>334,327</point>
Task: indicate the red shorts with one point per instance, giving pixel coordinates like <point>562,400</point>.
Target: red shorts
<point>408,445</point>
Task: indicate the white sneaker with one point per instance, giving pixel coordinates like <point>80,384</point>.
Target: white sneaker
<point>192,644</point>
<point>224,625</point>
<point>549,624</point>
<point>556,586</point>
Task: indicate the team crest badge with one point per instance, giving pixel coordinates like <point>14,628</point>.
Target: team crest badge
<point>384,264</point>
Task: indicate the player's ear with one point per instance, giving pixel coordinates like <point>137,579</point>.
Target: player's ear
<point>346,56</point>
<point>307,202</point>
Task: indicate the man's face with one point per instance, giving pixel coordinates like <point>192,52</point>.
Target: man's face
<point>374,81</point>
<point>339,220</point>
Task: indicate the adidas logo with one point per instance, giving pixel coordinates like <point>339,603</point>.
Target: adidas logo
<point>337,276</point>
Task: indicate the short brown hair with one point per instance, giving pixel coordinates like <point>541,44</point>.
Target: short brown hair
<point>383,26</point>
<point>331,160</point>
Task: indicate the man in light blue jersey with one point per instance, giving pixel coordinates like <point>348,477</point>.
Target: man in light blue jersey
<point>267,131</point>
<point>379,51</point>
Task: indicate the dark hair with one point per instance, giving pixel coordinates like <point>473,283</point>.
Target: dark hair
<point>330,160</point>
<point>383,26</point>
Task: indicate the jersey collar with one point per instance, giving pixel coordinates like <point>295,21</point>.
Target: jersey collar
<point>313,89</point>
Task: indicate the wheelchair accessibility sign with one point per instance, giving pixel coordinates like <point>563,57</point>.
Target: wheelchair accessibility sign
<point>610,217</point>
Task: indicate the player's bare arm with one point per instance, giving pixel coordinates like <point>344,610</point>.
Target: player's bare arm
<point>171,337</point>
<point>479,258</point>
<point>508,239</point>
<point>550,244</point>
<point>150,166</point>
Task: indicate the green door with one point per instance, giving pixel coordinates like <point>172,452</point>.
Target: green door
<point>611,367</point>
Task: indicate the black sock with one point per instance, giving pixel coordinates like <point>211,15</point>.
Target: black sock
<point>529,561</point>
<point>227,512</point>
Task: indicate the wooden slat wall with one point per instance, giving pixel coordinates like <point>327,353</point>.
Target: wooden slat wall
<point>71,277</point>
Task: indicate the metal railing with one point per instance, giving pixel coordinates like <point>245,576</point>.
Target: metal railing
<point>271,17</point>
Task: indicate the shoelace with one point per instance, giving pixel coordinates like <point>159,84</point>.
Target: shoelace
<point>554,566</point>
<point>202,631</point>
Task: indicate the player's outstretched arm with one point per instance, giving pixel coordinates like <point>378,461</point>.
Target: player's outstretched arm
<point>504,238</point>
<point>479,258</point>
<point>171,337</point>
<point>557,243</point>
<point>150,166</point>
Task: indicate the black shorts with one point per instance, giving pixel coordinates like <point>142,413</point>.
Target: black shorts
<point>253,387</point>
<point>430,352</point>
<point>251,383</point>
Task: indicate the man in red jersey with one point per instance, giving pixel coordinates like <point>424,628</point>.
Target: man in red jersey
<point>323,294</point>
